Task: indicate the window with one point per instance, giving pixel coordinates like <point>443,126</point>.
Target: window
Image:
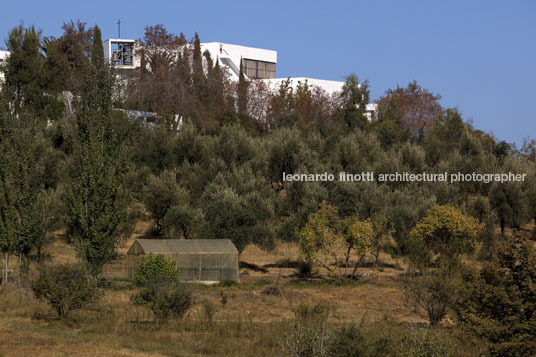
<point>258,69</point>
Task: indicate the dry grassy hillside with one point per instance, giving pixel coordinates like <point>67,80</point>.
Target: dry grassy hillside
<point>245,321</point>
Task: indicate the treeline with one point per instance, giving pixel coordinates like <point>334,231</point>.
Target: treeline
<point>71,159</point>
<point>220,175</point>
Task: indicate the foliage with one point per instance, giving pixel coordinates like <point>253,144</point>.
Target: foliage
<point>161,194</point>
<point>321,232</point>
<point>71,159</point>
<point>425,344</point>
<point>165,300</point>
<point>96,203</point>
<point>155,269</point>
<point>411,108</point>
<point>325,234</point>
<point>244,219</point>
<point>309,333</point>
<point>445,231</point>
<point>161,289</point>
<point>509,202</point>
<point>498,303</point>
<point>22,222</point>
<point>431,292</point>
<point>353,340</point>
<point>66,288</point>
<point>353,99</point>
<point>382,233</point>
<point>358,237</point>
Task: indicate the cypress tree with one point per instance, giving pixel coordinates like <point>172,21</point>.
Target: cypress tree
<point>197,65</point>
<point>97,208</point>
<point>97,50</point>
<point>242,90</point>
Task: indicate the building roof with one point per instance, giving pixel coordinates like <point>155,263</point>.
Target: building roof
<point>184,246</point>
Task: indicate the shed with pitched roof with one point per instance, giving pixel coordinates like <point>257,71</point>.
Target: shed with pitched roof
<point>201,260</point>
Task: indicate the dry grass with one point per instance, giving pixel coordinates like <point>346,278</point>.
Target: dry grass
<point>246,322</point>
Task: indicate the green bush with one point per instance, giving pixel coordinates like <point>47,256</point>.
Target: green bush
<point>161,290</point>
<point>355,339</point>
<point>228,282</point>
<point>498,303</point>
<point>66,288</point>
<point>165,300</point>
<point>154,270</point>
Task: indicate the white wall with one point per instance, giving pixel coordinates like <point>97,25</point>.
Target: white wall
<point>3,56</point>
<point>330,87</point>
<point>236,52</point>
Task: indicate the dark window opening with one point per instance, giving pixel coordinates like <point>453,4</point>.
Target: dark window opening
<point>258,69</point>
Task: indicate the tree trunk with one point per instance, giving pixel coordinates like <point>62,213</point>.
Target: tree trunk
<point>4,269</point>
<point>347,259</point>
<point>357,266</point>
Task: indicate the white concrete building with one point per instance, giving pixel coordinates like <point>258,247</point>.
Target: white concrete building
<point>3,56</point>
<point>258,63</point>
<point>261,64</point>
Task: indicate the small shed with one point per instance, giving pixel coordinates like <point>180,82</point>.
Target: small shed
<point>202,260</point>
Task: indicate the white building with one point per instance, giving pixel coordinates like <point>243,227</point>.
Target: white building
<point>258,63</point>
<point>3,56</point>
<point>261,64</point>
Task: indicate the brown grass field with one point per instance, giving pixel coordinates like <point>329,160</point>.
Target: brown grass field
<point>250,323</point>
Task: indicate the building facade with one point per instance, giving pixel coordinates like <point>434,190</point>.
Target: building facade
<point>3,56</point>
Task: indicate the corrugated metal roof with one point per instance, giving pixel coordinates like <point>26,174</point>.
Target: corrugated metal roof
<point>168,246</point>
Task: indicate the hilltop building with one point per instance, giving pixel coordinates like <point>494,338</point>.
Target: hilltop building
<point>258,63</point>
<point>3,56</point>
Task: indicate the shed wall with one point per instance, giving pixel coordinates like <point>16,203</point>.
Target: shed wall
<point>198,266</point>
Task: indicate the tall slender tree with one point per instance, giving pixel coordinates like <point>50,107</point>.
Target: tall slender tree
<point>20,223</point>
<point>97,51</point>
<point>198,75</point>
<point>242,90</point>
<point>97,208</point>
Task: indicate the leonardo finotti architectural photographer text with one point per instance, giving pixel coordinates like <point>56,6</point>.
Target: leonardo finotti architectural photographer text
<point>406,177</point>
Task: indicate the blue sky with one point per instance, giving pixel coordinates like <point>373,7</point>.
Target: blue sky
<point>479,55</point>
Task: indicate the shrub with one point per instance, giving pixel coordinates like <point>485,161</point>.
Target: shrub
<point>272,289</point>
<point>431,292</point>
<point>498,303</point>
<point>209,310</point>
<point>155,269</point>
<point>356,339</point>
<point>424,344</point>
<point>228,283</point>
<point>165,300</point>
<point>66,288</point>
<point>309,334</point>
<point>161,290</point>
